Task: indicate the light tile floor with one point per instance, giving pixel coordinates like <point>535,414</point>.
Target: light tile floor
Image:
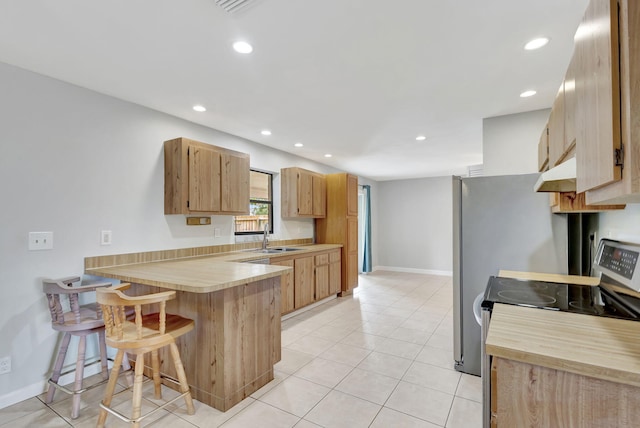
<point>380,358</point>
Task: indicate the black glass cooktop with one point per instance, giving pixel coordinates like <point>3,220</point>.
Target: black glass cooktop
<point>582,299</point>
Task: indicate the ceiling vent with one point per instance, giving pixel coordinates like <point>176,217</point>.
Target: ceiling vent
<point>234,5</point>
<point>476,170</point>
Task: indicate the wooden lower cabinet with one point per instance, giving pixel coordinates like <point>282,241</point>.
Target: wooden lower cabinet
<point>526,395</point>
<point>303,284</point>
<point>335,271</point>
<point>314,277</point>
<point>322,276</point>
<point>286,286</point>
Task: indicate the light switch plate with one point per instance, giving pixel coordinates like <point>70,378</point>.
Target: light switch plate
<point>216,232</point>
<point>40,241</point>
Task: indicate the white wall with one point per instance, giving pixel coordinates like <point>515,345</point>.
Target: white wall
<point>414,229</point>
<point>510,142</point>
<point>76,162</point>
<point>622,225</point>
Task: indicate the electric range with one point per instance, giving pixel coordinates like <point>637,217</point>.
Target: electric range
<point>616,296</point>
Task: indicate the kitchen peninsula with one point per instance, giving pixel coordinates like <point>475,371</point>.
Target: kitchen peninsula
<point>235,305</point>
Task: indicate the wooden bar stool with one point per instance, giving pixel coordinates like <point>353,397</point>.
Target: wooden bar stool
<point>68,316</point>
<point>148,333</point>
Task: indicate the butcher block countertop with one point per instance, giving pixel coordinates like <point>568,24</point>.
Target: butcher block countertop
<point>599,347</point>
<point>550,277</point>
<point>202,274</point>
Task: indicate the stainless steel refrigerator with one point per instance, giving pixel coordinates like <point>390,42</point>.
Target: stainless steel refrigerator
<point>499,222</point>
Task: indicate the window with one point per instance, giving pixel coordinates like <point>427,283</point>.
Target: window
<point>261,205</point>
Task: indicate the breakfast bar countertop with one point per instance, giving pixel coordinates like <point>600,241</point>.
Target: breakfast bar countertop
<point>203,274</point>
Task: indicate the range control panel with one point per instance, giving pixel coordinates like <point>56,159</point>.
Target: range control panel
<point>618,260</point>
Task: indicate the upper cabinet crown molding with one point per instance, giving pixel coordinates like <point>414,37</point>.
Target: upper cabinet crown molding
<point>203,179</point>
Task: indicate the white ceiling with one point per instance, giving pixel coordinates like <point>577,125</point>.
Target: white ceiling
<point>359,79</point>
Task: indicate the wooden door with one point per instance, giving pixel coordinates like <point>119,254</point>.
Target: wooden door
<point>319,195</point>
<point>598,96</point>
<point>335,272</point>
<point>352,195</point>
<point>204,179</point>
<point>305,193</point>
<point>303,281</point>
<point>234,179</point>
<point>287,303</point>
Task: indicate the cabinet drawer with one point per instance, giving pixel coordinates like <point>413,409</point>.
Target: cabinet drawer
<point>322,259</point>
<point>334,256</point>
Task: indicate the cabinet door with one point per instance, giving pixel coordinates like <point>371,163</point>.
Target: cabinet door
<point>351,262</point>
<point>305,193</point>
<point>322,276</point>
<point>286,286</point>
<point>556,130</point>
<point>570,106</point>
<point>204,179</point>
<point>598,96</point>
<point>335,272</point>
<point>352,195</point>
<point>303,281</point>
<point>543,150</point>
<point>234,178</point>
<point>319,196</point>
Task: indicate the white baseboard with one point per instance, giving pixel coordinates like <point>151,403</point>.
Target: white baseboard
<point>413,270</point>
<point>39,387</point>
<point>22,394</point>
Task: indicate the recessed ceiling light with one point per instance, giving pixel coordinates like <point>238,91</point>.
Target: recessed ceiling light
<point>421,138</point>
<point>536,43</point>
<point>328,155</point>
<point>265,132</point>
<point>199,108</point>
<point>298,144</point>
<point>526,94</point>
<point>242,47</point>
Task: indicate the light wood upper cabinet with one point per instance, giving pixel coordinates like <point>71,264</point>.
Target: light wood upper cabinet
<point>203,179</point>
<point>598,157</point>
<point>569,87</point>
<point>352,195</point>
<point>235,183</point>
<point>303,193</point>
<point>598,96</point>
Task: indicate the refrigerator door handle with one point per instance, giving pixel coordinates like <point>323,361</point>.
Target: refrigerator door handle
<point>457,272</point>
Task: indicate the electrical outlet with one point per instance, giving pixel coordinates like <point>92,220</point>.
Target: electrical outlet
<point>216,232</point>
<point>40,241</point>
<point>5,365</point>
<point>105,237</point>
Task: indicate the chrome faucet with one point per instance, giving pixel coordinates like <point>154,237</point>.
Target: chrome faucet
<point>265,239</point>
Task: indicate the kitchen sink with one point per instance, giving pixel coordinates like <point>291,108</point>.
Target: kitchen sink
<point>274,250</point>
